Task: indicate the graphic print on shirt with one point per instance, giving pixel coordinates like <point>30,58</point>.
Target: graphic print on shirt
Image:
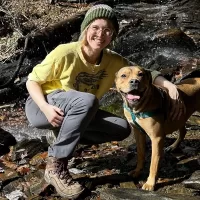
<point>86,82</point>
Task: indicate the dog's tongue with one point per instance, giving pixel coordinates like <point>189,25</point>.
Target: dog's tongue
<point>132,97</point>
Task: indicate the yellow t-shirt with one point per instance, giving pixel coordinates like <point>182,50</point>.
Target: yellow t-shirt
<point>65,68</point>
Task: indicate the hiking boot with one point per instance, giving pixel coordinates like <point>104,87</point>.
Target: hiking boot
<point>57,174</point>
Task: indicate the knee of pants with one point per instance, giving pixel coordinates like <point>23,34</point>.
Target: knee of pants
<point>39,123</point>
<point>86,102</point>
<point>90,101</point>
<point>125,133</point>
<point>35,117</point>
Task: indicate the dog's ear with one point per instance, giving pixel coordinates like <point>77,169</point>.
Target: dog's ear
<point>115,85</point>
<point>148,76</point>
<point>116,74</point>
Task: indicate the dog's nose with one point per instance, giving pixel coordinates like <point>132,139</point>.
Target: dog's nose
<point>134,82</point>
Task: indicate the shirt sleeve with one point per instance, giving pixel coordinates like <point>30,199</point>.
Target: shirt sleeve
<point>154,74</point>
<point>47,69</point>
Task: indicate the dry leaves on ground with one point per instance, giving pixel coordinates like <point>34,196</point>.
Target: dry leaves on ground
<point>21,17</point>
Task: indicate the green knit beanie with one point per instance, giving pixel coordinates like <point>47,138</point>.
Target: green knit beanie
<point>100,11</point>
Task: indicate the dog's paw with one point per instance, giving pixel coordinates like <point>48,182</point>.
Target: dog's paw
<point>134,173</point>
<point>148,187</point>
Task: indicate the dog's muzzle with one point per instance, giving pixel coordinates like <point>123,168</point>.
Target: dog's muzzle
<point>134,94</point>
<point>134,84</point>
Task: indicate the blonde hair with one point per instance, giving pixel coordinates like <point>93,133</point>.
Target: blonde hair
<point>83,37</point>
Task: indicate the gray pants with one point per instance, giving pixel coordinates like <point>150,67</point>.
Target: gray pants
<point>83,121</point>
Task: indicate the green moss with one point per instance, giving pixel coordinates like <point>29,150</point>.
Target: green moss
<point>116,109</point>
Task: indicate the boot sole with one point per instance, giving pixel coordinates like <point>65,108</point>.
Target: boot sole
<point>72,197</point>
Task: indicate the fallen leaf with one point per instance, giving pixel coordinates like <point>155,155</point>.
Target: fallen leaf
<point>23,169</point>
<point>107,172</point>
<point>2,117</point>
<point>38,158</point>
<point>115,143</point>
<point>9,164</point>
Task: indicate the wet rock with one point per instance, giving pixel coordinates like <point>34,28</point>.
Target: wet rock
<point>128,185</point>
<point>176,188</point>
<point>18,183</point>
<point>23,130</point>
<point>190,151</point>
<point>28,148</point>
<point>17,194</point>
<point>31,184</point>
<point>36,182</point>
<point>130,194</point>
<point>7,176</point>
<point>158,37</point>
<point>193,181</point>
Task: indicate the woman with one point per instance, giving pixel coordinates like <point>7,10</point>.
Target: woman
<point>64,92</point>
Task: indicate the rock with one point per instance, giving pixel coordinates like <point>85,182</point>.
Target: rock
<point>52,1</point>
<point>190,151</point>
<point>159,40</point>
<point>128,185</point>
<point>8,176</point>
<point>17,194</point>
<point>36,182</point>
<point>31,184</point>
<point>28,148</point>
<point>130,194</point>
<point>193,181</point>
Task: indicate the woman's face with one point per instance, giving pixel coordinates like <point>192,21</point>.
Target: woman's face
<point>99,34</point>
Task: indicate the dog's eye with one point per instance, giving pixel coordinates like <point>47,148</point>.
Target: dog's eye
<point>123,75</point>
<point>140,74</point>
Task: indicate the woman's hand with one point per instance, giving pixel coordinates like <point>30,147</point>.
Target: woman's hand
<point>53,114</point>
<point>178,107</point>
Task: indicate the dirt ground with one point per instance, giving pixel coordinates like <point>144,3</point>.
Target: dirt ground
<point>20,17</point>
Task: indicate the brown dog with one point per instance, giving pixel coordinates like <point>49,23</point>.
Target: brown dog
<point>146,108</point>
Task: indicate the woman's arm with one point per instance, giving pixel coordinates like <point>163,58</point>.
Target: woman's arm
<point>53,113</point>
<point>36,93</point>
<point>178,106</point>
